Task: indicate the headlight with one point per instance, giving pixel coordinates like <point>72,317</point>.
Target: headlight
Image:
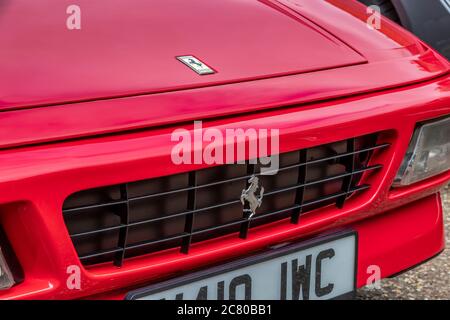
<point>428,153</point>
<point>11,272</point>
<point>6,276</point>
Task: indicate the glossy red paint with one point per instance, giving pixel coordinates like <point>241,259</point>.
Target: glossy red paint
<point>47,153</point>
<point>146,34</point>
<point>395,58</point>
<point>36,180</point>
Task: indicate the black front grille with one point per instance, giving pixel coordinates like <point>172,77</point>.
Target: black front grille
<point>116,222</point>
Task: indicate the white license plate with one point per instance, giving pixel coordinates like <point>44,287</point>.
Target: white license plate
<point>324,268</point>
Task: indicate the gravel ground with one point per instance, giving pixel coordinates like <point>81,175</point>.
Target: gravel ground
<point>430,281</point>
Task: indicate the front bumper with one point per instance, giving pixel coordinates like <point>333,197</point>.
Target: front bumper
<point>393,241</point>
<point>397,228</point>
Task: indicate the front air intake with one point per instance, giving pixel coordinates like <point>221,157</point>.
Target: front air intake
<point>112,223</point>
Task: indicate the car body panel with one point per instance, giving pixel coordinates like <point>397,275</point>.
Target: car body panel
<point>117,115</point>
<point>36,180</point>
<point>81,65</point>
<point>395,58</point>
<point>116,54</point>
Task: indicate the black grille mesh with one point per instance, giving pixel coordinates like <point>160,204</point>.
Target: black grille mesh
<point>116,222</point>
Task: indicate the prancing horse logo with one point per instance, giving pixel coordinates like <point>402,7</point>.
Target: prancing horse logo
<point>195,64</point>
<point>248,195</point>
<point>192,61</point>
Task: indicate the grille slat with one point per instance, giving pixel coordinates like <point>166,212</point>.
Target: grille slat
<point>349,167</point>
<point>189,218</point>
<point>124,215</point>
<point>301,181</point>
<point>135,218</point>
<point>102,205</point>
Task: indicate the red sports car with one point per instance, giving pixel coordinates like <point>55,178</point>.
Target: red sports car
<point>235,149</point>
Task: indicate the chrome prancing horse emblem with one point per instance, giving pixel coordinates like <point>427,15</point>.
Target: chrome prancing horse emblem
<point>196,65</point>
<point>248,195</point>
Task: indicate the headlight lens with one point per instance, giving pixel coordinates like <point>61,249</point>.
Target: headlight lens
<point>6,276</point>
<point>428,153</point>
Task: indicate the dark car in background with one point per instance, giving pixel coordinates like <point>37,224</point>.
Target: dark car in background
<point>428,19</point>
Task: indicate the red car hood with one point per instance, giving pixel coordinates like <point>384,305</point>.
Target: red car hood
<point>129,47</point>
<point>120,72</point>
